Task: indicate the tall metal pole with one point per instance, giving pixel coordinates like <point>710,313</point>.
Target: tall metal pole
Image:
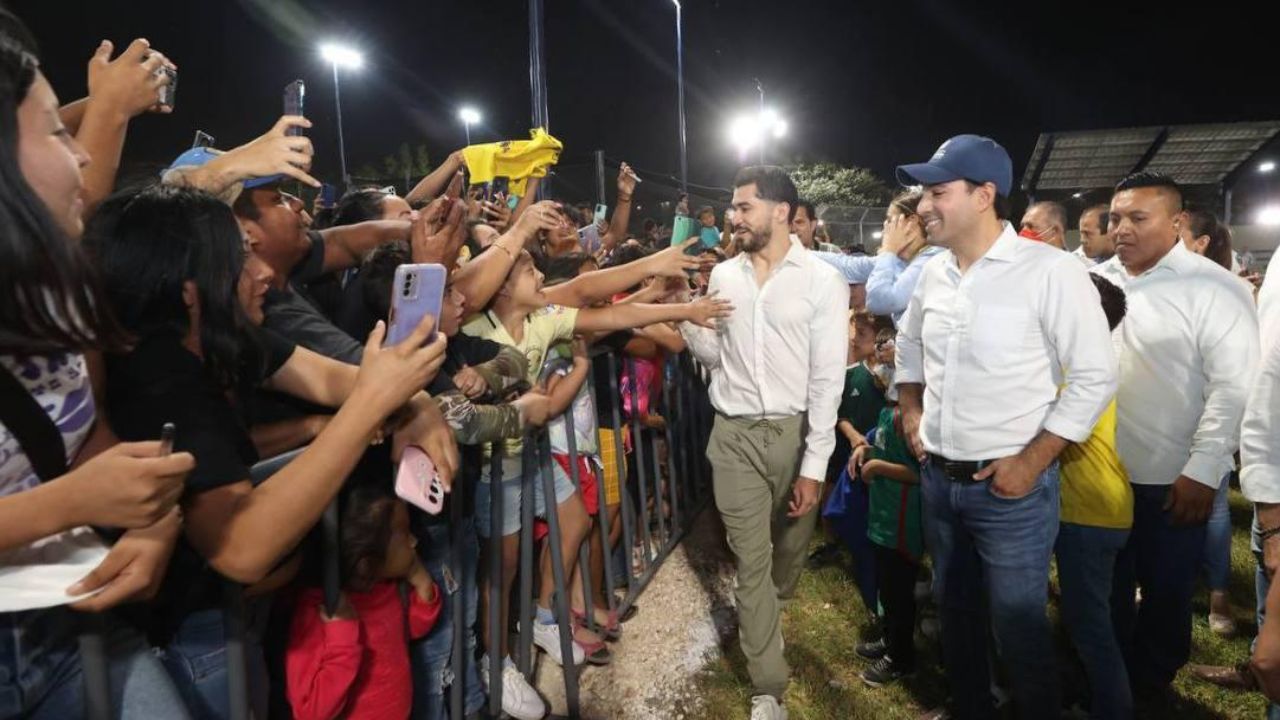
<point>342,147</point>
<point>684,147</point>
<point>538,79</point>
<point>467,125</point>
<point>760,120</point>
<point>538,66</point>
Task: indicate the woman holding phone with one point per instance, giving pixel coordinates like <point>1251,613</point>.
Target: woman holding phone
<point>187,284</point>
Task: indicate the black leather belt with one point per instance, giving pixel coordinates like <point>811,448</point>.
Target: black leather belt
<point>957,470</point>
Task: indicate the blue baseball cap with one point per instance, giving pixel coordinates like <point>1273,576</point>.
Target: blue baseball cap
<point>198,156</point>
<point>963,157</point>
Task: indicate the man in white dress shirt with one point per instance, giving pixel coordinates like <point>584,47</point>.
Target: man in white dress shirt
<point>1188,352</point>
<point>1096,244</point>
<point>1004,357</point>
<point>777,372</point>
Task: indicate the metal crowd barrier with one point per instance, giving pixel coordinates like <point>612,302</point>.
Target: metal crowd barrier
<point>684,406</point>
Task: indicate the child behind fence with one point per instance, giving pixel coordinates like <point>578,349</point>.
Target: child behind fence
<point>355,662</point>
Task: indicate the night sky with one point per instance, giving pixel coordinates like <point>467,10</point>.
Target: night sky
<point>867,83</point>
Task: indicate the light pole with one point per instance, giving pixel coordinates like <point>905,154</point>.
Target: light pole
<point>749,130</point>
<point>760,88</point>
<point>341,55</point>
<point>469,116</point>
<point>684,148</point>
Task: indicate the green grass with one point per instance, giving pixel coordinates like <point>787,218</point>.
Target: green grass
<point>827,617</point>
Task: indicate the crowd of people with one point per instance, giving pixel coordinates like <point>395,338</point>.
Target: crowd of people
<point>964,409</point>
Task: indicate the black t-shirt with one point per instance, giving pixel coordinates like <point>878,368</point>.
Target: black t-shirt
<point>289,313</point>
<point>161,381</point>
<point>354,316</point>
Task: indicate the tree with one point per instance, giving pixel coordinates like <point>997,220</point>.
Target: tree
<point>406,164</point>
<point>830,184</point>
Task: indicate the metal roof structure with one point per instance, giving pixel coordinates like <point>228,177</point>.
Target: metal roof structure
<point>1193,155</point>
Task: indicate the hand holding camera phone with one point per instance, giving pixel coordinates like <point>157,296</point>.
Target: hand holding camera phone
<point>417,481</point>
<point>294,95</point>
<point>416,292</point>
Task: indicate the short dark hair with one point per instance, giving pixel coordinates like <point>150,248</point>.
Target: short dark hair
<point>1057,213</point>
<point>1150,179</point>
<point>772,184</point>
<point>244,205</point>
<point>1113,300</point>
<point>1104,215</point>
<point>809,210</point>
<point>1001,204</point>
<point>358,206</point>
<point>561,268</point>
<point>704,210</point>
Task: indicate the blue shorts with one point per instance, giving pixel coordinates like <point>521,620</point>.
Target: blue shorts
<point>513,493</point>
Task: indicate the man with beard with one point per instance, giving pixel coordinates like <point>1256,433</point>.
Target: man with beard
<point>777,369</point>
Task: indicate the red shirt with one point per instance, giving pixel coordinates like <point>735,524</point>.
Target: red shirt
<point>355,668</point>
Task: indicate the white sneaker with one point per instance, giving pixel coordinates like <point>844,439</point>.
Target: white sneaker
<point>519,699</point>
<point>547,637</point>
<point>923,589</point>
<point>767,707</point>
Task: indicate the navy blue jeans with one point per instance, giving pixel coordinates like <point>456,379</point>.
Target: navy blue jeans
<point>431,655</point>
<point>991,564</point>
<point>196,659</point>
<point>1160,557</point>
<point>41,677</point>
<point>1217,542</point>
<point>1086,563</point>
<point>1261,586</point>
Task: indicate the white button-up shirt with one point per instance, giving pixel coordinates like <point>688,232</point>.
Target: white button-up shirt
<point>994,344</point>
<point>1260,433</point>
<point>1188,352</point>
<point>783,350</point>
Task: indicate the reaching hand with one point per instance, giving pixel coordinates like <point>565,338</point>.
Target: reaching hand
<point>707,310</point>
<point>274,153</point>
<point>132,83</point>
<point>626,180</point>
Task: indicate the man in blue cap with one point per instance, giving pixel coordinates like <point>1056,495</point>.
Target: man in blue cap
<point>279,234</point>
<point>1004,357</point>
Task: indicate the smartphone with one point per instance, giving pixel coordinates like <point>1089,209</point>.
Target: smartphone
<point>294,94</point>
<point>589,238</point>
<point>602,212</point>
<point>328,195</point>
<point>683,228</point>
<point>710,237</point>
<point>169,95</point>
<point>417,291</point>
<point>499,186</point>
<point>417,481</point>
<point>203,139</point>
<point>166,440</point>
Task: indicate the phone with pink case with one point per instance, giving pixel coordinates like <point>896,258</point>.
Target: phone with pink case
<point>417,481</point>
